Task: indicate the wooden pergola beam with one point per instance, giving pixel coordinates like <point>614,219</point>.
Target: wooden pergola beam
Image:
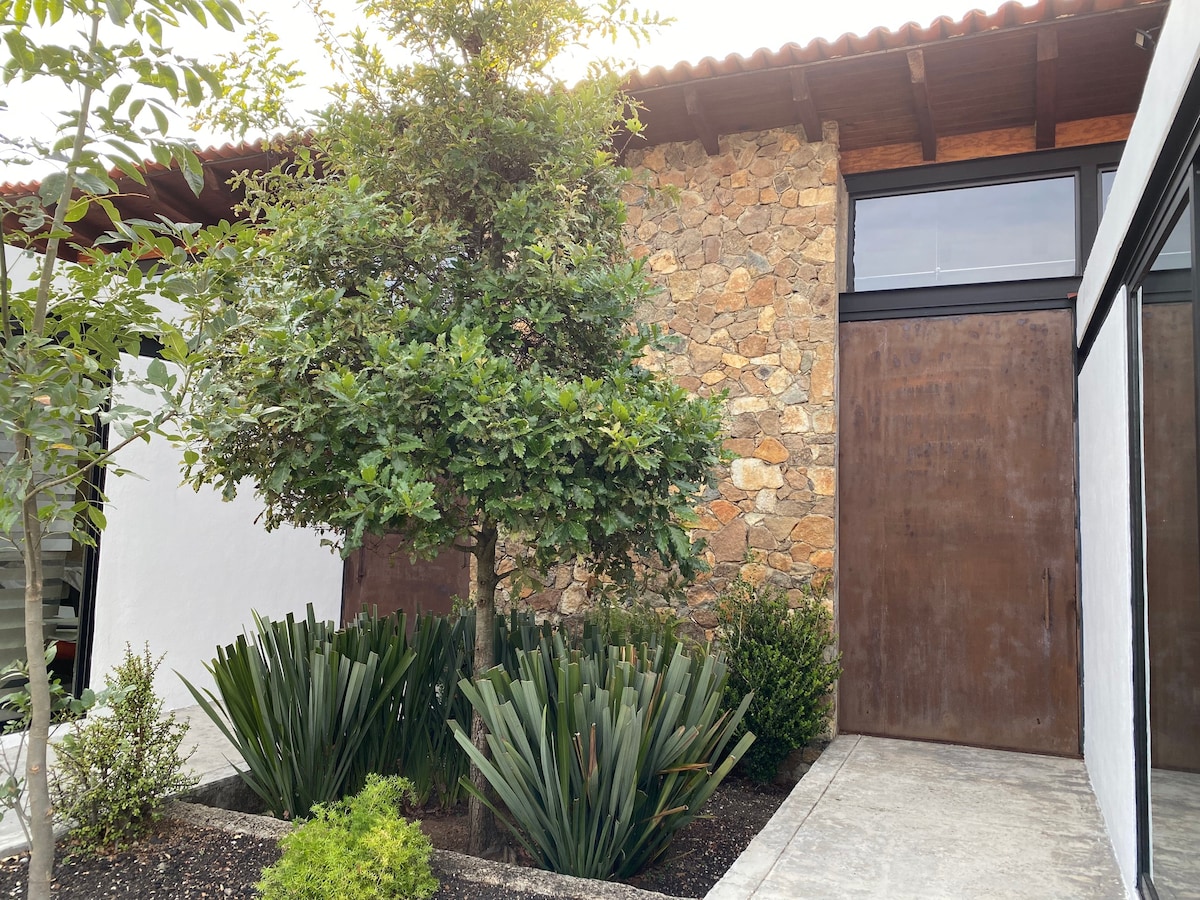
<point>924,114</point>
<point>705,132</point>
<point>166,202</point>
<point>806,107</point>
<point>1046,121</point>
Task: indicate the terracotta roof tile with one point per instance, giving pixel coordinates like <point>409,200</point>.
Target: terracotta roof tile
<point>225,153</point>
<point>1010,15</point>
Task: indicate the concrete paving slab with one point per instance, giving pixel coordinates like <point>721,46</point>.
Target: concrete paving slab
<point>888,819</point>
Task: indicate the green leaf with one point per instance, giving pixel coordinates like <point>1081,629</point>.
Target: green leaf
<point>156,373</point>
<point>96,516</point>
<point>195,89</point>
<point>153,27</point>
<point>193,169</point>
<point>118,11</point>
<point>77,209</point>
<point>160,120</point>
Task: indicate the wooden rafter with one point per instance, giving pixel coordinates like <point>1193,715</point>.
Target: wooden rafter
<point>920,95</point>
<point>806,107</point>
<point>1047,88</point>
<point>705,132</point>
<point>167,202</point>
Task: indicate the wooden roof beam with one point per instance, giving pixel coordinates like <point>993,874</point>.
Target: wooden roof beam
<point>166,201</point>
<point>1046,120</point>
<point>920,95</point>
<point>705,132</point>
<point>806,107</point>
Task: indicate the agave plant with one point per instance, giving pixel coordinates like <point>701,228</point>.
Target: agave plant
<point>426,753</point>
<point>601,757</point>
<point>299,702</point>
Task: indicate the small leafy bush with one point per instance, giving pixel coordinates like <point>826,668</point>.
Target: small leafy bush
<point>114,771</point>
<point>621,624</point>
<point>784,657</point>
<point>360,848</point>
<point>601,755</point>
<point>16,701</point>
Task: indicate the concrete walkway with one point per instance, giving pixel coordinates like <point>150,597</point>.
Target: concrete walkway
<point>888,819</point>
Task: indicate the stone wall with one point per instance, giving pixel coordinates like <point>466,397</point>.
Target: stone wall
<point>745,246</point>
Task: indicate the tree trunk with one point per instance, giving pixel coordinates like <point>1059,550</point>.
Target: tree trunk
<point>37,784</point>
<point>483,832</point>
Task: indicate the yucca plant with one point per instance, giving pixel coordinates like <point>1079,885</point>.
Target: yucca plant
<point>298,706</point>
<point>427,754</point>
<point>600,764</point>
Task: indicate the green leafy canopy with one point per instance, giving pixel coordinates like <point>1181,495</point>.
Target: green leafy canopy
<point>436,333</point>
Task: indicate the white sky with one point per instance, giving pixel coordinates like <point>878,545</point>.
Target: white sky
<point>702,28</point>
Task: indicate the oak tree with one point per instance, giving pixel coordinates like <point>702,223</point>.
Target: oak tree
<point>438,335</point>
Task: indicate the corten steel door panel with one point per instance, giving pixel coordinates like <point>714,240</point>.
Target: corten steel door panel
<point>381,574</point>
<point>957,597</point>
<point>1172,542</point>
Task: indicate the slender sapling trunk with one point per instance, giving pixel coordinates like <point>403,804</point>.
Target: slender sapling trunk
<point>483,831</point>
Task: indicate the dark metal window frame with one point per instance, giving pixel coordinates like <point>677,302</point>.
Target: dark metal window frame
<point>1184,200</point>
<point>1174,182</point>
<point>1083,163</point>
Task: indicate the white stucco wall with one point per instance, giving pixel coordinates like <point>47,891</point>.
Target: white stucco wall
<point>182,570</point>
<point>1104,509</point>
<point>1104,486</point>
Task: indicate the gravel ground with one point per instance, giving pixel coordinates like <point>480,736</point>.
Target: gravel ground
<point>186,862</point>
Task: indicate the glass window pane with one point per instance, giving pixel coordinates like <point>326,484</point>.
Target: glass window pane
<point>1176,253</point>
<point>1106,183</point>
<point>1000,232</point>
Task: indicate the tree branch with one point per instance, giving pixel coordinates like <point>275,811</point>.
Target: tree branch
<point>138,434</point>
<point>7,326</point>
<point>64,199</point>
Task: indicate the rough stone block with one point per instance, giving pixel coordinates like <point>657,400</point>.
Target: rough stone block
<point>816,531</point>
<point>771,450</point>
<point>741,405</point>
<point>725,511</point>
<point>821,559</point>
<point>823,480</point>
<point>753,345</point>
<point>761,539</point>
<point>755,474</point>
<point>729,544</point>
<point>754,573</point>
<point>754,220</point>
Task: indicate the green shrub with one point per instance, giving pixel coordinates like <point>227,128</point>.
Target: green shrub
<point>784,657</point>
<point>621,624</point>
<point>601,755</point>
<point>360,848</point>
<point>114,771</point>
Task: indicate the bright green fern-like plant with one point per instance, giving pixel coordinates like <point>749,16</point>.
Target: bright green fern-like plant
<point>785,658</point>
<point>599,756</point>
<point>360,848</point>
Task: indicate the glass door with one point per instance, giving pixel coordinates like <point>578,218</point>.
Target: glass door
<point>1170,780</point>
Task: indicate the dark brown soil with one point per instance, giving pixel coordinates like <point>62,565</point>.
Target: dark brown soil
<point>185,862</point>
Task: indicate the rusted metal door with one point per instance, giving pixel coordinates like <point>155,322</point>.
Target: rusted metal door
<point>1172,539</point>
<point>382,575</point>
<point>958,595</point>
